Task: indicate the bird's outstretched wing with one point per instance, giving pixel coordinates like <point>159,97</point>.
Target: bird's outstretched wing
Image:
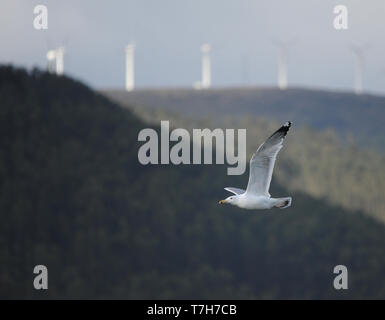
<point>235,190</point>
<point>262,162</point>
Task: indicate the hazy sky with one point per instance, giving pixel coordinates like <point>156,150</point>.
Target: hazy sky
<point>168,35</point>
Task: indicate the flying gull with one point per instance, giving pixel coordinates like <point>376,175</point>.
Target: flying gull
<point>256,195</point>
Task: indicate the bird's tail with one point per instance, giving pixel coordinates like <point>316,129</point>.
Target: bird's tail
<point>283,203</point>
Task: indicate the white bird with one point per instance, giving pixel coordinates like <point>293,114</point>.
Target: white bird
<point>256,195</point>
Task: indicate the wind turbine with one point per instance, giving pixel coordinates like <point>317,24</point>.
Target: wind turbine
<point>245,69</point>
<point>205,83</point>
<point>130,71</point>
<point>206,66</point>
<point>382,73</point>
<point>283,53</point>
<point>55,59</point>
<point>59,61</point>
<point>51,57</point>
<point>359,59</point>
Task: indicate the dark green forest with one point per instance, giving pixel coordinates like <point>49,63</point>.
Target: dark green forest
<point>319,163</point>
<point>74,197</point>
<point>337,153</point>
<point>358,117</point>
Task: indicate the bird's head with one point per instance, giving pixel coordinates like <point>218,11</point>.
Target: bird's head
<point>230,200</point>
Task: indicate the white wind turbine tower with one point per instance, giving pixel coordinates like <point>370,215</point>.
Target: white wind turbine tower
<point>358,51</point>
<point>205,82</point>
<point>51,57</point>
<point>206,66</point>
<point>130,48</point>
<point>282,68</point>
<point>382,73</point>
<point>283,53</point>
<point>56,61</point>
<point>60,61</point>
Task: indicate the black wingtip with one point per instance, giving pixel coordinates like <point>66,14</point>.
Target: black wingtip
<point>285,128</point>
<point>287,124</point>
<point>282,131</point>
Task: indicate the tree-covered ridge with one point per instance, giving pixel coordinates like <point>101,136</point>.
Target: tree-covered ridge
<point>319,163</point>
<point>358,117</point>
<point>74,198</point>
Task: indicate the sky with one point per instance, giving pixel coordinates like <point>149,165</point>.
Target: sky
<point>168,35</point>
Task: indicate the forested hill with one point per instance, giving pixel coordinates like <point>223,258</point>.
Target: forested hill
<point>357,116</point>
<point>73,197</point>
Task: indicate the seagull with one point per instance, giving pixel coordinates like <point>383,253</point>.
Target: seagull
<point>256,195</point>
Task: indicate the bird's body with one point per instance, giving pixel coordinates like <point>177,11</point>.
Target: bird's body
<point>257,195</point>
<point>251,201</point>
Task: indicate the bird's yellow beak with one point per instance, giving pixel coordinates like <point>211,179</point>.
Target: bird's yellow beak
<point>222,201</point>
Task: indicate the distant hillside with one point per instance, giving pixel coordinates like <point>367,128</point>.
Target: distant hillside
<point>74,198</point>
<point>316,162</point>
<point>361,117</point>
